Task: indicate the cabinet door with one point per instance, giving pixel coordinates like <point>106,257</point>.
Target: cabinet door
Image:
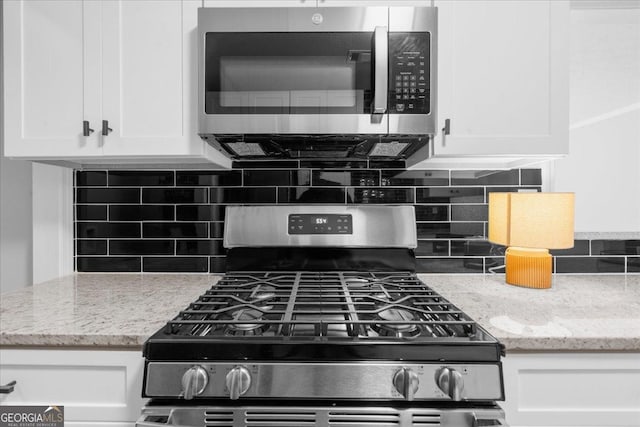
<point>572,389</point>
<point>150,78</point>
<point>49,87</point>
<point>503,77</point>
<point>93,386</point>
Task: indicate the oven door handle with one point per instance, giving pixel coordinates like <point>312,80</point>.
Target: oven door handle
<point>381,69</point>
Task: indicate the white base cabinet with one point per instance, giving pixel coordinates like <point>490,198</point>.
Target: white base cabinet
<point>572,389</point>
<point>128,69</point>
<point>97,388</point>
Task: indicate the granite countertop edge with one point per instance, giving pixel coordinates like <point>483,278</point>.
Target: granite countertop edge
<point>474,294</point>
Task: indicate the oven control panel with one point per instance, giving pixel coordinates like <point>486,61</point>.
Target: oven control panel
<point>320,224</point>
<point>340,380</point>
<point>409,73</point>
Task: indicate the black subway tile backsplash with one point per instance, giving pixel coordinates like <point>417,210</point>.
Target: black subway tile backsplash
<point>436,247</point>
<point>108,264</point>
<point>593,264</point>
<point>91,212</point>
<point>469,213</point>
<point>91,178</point>
<point>530,177</point>
<point>174,195</point>
<point>141,247</point>
<point>91,247</point>
<point>385,195</point>
<point>216,230</point>
<point>141,213</point>
<point>217,264</point>
<point>244,195</point>
<point>472,247</point>
<point>448,230</point>
<point>208,178</point>
<point>175,230</point>
<point>345,177</point>
<point>451,195</point>
<point>485,177</point>
<point>274,177</point>
<point>200,247</point>
<point>173,221</point>
<point>432,212</point>
<point>200,212</point>
<point>615,247</point>
<point>402,177</point>
<point>175,264</point>
<point>107,195</point>
<point>311,195</point>
<point>141,178</point>
<point>91,230</point>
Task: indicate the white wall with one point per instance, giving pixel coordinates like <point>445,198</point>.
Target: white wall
<point>603,166</point>
<point>52,222</point>
<point>15,213</point>
<point>15,224</point>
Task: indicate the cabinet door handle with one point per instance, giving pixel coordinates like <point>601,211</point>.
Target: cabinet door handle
<point>105,128</point>
<point>7,388</point>
<point>86,130</point>
<point>446,130</point>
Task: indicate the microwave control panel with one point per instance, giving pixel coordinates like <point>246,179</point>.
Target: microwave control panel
<point>320,224</point>
<point>409,76</point>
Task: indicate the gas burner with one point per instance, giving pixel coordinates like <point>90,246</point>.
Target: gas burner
<point>399,330</point>
<point>262,293</point>
<point>247,321</point>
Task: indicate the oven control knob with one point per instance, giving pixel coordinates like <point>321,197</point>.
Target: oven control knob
<point>194,382</point>
<point>406,382</point>
<point>238,382</point>
<point>450,381</point>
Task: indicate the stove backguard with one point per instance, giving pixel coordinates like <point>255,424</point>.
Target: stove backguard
<point>339,226</point>
<point>320,238</point>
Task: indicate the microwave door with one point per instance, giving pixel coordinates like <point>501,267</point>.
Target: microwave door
<point>302,83</point>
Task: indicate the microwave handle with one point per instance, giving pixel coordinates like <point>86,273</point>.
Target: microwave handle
<point>381,61</point>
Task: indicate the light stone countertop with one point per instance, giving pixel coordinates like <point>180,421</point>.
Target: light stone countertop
<point>580,312</point>
<point>96,310</point>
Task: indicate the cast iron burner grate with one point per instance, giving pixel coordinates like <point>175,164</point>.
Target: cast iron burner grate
<point>335,305</point>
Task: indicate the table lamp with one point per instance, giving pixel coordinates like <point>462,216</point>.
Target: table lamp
<point>529,224</point>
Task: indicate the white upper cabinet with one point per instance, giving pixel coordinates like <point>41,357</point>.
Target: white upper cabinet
<point>148,49</point>
<point>128,68</point>
<point>44,71</point>
<point>503,78</point>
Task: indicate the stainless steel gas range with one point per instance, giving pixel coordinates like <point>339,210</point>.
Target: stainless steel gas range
<point>321,321</point>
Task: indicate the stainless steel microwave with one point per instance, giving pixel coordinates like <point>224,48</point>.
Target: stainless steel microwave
<point>313,72</point>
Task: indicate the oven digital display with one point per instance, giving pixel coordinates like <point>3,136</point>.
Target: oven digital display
<point>320,224</point>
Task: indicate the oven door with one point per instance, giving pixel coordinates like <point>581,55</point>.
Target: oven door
<point>293,71</point>
<point>318,416</point>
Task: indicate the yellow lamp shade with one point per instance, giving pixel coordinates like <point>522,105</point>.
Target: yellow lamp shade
<point>532,220</point>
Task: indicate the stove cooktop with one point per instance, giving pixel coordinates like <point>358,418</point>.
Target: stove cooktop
<point>305,315</point>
